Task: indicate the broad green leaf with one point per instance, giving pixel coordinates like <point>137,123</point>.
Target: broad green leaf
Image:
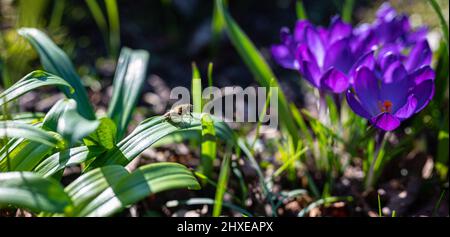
<point>30,82</point>
<point>144,181</point>
<point>222,184</point>
<point>89,185</point>
<point>69,157</point>
<point>127,85</point>
<point>104,135</point>
<point>208,147</point>
<point>32,191</point>
<point>150,131</point>
<point>25,117</point>
<point>25,156</point>
<point>14,129</point>
<point>54,114</point>
<point>74,127</point>
<point>258,66</point>
<point>57,62</point>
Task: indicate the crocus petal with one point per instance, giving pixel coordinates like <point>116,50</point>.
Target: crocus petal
<point>420,55</point>
<point>339,56</point>
<point>417,35</point>
<point>284,56</point>
<point>407,109</point>
<point>367,60</point>
<point>356,106</point>
<point>366,89</point>
<point>385,121</point>
<point>314,42</point>
<point>334,81</point>
<point>311,72</point>
<point>388,59</point>
<point>395,85</point>
<point>386,11</point>
<point>338,30</point>
<point>394,72</point>
<point>299,31</point>
<point>424,93</point>
<point>422,74</point>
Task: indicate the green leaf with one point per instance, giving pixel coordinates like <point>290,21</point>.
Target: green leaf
<point>13,129</point>
<point>208,147</point>
<point>114,26</point>
<point>127,85</point>
<point>104,135</point>
<point>74,127</point>
<point>207,201</point>
<point>444,24</point>
<point>300,10</point>
<point>25,117</point>
<point>323,201</point>
<point>57,62</point>
<point>30,82</point>
<point>63,159</point>
<point>196,89</point>
<point>222,184</point>
<point>152,130</point>
<point>24,156</point>
<point>347,10</point>
<point>32,191</point>
<point>89,185</point>
<point>258,66</point>
<point>54,114</point>
<point>144,181</point>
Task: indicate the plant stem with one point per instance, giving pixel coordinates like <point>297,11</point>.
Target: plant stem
<point>323,108</point>
<point>380,141</point>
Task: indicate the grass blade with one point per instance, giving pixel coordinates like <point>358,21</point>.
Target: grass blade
<point>257,65</point>
<point>99,19</point>
<point>208,147</point>
<point>444,24</point>
<point>347,10</point>
<point>222,184</point>
<point>196,89</point>
<point>114,26</point>
<point>300,10</point>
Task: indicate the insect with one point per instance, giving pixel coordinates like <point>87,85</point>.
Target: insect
<point>178,113</point>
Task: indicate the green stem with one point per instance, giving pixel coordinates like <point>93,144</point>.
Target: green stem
<point>381,140</point>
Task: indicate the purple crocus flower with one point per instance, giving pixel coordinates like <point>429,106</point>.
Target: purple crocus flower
<point>391,30</point>
<point>390,88</point>
<point>324,57</point>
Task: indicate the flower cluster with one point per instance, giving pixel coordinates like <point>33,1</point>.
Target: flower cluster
<point>382,83</point>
